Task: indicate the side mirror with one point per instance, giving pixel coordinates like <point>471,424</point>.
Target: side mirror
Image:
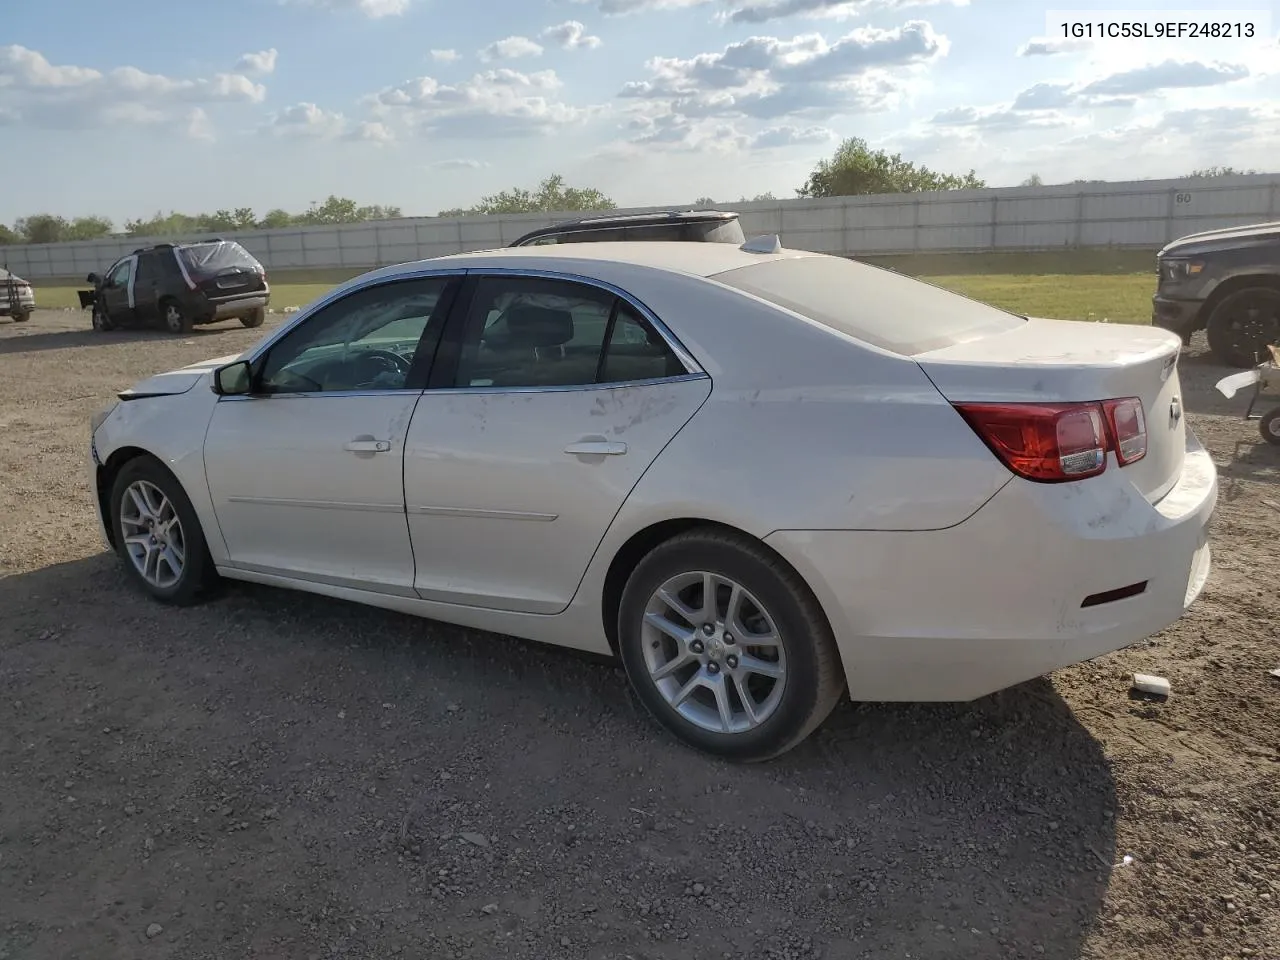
<point>92,278</point>
<point>233,380</point>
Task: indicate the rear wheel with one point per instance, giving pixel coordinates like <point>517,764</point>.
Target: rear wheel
<point>22,316</point>
<point>256,318</point>
<point>176,320</point>
<point>158,534</point>
<point>101,321</point>
<point>1243,325</point>
<point>727,647</point>
<point>1269,426</point>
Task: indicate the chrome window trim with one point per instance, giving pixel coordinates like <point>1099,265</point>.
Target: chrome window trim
<point>570,388</point>
<point>357,284</point>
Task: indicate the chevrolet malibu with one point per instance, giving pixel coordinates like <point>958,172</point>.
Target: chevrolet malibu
<point>762,478</point>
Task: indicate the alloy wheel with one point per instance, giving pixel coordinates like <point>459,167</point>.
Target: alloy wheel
<point>713,652</point>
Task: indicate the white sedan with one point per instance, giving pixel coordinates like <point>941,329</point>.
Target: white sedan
<point>761,477</point>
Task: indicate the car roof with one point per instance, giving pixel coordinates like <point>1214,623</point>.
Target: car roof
<point>680,256</point>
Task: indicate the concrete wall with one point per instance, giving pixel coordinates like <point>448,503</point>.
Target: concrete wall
<point>1133,214</point>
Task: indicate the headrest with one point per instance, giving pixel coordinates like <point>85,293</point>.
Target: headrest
<point>529,326</point>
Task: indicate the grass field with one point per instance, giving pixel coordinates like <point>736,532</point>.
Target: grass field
<point>1074,285</point>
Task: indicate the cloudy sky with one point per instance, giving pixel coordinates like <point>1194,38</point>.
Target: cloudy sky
<point>426,104</point>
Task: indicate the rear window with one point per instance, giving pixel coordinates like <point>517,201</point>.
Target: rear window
<point>880,307</point>
<point>694,232</point>
<point>214,257</point>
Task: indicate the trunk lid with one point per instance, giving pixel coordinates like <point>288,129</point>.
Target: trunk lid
<point>1071,361</point>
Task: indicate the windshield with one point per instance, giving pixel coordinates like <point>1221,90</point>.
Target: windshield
<point>216,256</point>
<point>877,306</point>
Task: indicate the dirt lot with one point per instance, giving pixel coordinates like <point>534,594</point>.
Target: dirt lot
<point>276,775</point>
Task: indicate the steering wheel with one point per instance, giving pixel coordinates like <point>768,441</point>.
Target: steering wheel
<point>385,360</point>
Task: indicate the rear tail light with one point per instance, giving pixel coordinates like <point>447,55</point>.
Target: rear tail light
<point>1055,442</point>
<point>1128,424</point>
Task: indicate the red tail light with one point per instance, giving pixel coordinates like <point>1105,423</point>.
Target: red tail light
<point>1055,442</point>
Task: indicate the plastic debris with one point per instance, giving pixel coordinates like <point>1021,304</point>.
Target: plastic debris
<point>1148,683</point>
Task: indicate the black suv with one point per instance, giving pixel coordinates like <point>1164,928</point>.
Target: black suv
<point>1227,283</point>
<point>178,285</point>
<point>701,226</point>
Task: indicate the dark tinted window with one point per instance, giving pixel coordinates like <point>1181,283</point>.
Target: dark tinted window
<point>148,268</point>
<point>536,332</point>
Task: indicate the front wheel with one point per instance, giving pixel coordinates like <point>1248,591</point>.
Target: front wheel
<point>158,534</point>
<point>1243,325</point>
<point>101,320</point>
<point>256,318</point>
<point>22,317</point>
<point>727,647</point>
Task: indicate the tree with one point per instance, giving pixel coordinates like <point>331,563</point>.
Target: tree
<point>704,203</point>
<point>41,228</point>
<point>1032,181</point>
<point>856,169</point>
<point>552,196</point>
<point>767,195</point>
<point>1210,172</point>
<point>8,236</point>
<point>274,219</point>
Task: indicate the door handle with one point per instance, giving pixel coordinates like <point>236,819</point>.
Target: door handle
<point>367,446</point>
<point>593,447</point>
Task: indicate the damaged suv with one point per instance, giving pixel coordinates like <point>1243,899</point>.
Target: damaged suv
<point>180,285</point>
<point>1227,283</point>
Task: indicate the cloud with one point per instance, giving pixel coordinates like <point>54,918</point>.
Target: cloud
<point>570,35</point>
<point>617,8</point>
<point>37,93</point>
<point>1123,89</point>
<point>511,48</point>
<point>458,163</point>
<point>375,9</point>
<point>1166,75</point>
<point>501,103</point>
<point>763,11</point>
<point>370,131</point>
<point>1048,47</point>
<point>199,127</point>
<point>789,136</point>
<point>258,64</point>
<point>308,121</point>
<point>445,56</point>
<point>999,119</point>
<point>767,78</point>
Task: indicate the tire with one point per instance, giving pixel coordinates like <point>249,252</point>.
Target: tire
<point>812,679</point>
<point>146,477</point>
<point>256,318</point>
<point>101,320</point>
<point>174,318</point>
<point>1269,426</point>
<point>1243,325</point>
<point>22,317</point>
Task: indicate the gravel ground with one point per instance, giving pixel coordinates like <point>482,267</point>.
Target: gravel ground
<point>277,775</point>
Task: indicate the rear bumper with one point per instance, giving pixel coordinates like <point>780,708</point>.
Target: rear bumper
<point>1180,316</point>
<point>238,306</point>
<point>956,614</point>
